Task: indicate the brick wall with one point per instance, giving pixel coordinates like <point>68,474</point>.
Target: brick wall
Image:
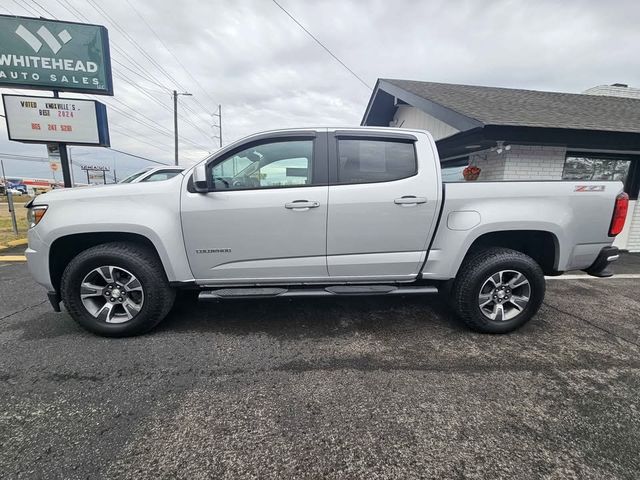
<point>522,162</point>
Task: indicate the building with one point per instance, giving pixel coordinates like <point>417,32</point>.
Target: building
<point>514,134</point>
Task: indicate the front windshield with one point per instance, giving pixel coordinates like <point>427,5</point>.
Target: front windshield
<point>133,176</point>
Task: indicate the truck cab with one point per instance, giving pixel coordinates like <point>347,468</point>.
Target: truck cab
<point>313,206</point>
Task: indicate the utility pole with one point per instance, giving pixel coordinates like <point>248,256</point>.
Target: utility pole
<point>220,124</point>
<point>219,115</point>
<point>175,121</point>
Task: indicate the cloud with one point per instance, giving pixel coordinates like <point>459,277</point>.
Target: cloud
<point>267,73</point>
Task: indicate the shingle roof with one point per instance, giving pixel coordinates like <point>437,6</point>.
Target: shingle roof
<point>508,106</point>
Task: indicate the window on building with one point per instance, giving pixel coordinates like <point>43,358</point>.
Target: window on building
<point>452,170</point>
<point>581,166</point>
<point>368,161</point>
<point>594,168</point>
<point>275,164</point>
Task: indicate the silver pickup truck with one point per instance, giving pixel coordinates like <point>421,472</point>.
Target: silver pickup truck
<point>318,212</point>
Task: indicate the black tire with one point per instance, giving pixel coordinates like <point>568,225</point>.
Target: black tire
<point>158,296</point>
<point>474,274</point>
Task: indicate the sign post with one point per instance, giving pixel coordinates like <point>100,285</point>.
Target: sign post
<point>54,159</point>
<point>59,56</point>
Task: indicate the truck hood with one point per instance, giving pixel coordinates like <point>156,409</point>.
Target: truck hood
<point>117,190</point>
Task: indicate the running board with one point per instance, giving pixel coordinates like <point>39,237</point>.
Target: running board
<point>339,290</point>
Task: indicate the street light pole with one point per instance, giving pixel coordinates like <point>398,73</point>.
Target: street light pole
<point>175,121</point>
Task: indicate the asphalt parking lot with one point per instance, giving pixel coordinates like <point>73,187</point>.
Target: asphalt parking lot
<point>324,388</point>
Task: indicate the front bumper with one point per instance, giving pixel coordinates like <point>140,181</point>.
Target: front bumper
<point>37,254</point>
<point>606,257</point>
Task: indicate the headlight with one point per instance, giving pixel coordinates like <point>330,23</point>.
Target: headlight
<point>35,214</point>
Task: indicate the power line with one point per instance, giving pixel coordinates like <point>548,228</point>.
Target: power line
<point>78,14</point>
<point>42,8</point>
<point>121,51</point>
<point>12,156</point>
<point>7,10</point>
<point>322,45</point>
<point>173,55</point>
<point>138,156</point>
<point>27,7</point>
<point>149,123</point>
<point>146,55</point>
<point>128,37</point>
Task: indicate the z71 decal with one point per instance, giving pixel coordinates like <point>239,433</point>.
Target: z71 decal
<point>589,188</point>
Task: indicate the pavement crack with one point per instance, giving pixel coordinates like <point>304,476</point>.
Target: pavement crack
<point>24,309</point>
<point>594,325</point>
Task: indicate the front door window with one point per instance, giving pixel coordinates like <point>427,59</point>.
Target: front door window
<point>269,165</point>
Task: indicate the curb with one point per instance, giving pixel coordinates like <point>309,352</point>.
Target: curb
<point>14,243</point>
<point>13,258</point>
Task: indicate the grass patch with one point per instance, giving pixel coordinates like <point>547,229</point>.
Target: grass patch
<point>6,229</point>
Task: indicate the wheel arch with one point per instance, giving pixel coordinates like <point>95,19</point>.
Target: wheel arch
<point>65,248</point>
<point>541,245</point>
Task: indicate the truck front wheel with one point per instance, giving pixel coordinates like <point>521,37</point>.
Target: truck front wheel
<point>116,289</point>
<point>498,290</point>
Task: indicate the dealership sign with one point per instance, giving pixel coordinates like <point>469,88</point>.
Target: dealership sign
<point>56,120</point>
<point>95,168</point>
<point>53,55</point>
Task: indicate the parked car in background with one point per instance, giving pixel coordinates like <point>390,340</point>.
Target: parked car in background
<point>18,186</point>
<point>319,212</point>
<point>153,174</point>
<point>15,191</point>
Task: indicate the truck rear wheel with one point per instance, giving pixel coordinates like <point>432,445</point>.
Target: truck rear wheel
<point>498,290</point>
<point>116,290</point>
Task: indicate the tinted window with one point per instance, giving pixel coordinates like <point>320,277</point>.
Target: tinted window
<point>366,161</point>
<point>276,164</point>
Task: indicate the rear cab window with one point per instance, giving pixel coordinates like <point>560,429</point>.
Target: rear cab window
<point>373,160</point>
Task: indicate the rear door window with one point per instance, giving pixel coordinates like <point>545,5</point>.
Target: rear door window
<point>368,161</point>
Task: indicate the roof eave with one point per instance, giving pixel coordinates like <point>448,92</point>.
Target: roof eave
<point>455,145</point>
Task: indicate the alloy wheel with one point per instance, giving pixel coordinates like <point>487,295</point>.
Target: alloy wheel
<point>504,295</point>
<point>111,294</point>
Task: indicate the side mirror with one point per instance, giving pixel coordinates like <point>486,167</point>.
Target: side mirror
<point>200,184</point>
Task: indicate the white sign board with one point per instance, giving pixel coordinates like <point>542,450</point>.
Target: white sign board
<point>54,120</point>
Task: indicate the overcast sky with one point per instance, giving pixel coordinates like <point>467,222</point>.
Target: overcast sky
<point>267,73</point>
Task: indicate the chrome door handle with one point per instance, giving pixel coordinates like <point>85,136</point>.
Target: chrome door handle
<point>409,200</point>
<point>301,205</point>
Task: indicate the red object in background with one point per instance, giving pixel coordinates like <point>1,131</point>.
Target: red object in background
<point>619,214</point>
<point>471,172</point>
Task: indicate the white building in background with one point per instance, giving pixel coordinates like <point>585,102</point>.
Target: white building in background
<point>614,90</point>
<point>514,134</point>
